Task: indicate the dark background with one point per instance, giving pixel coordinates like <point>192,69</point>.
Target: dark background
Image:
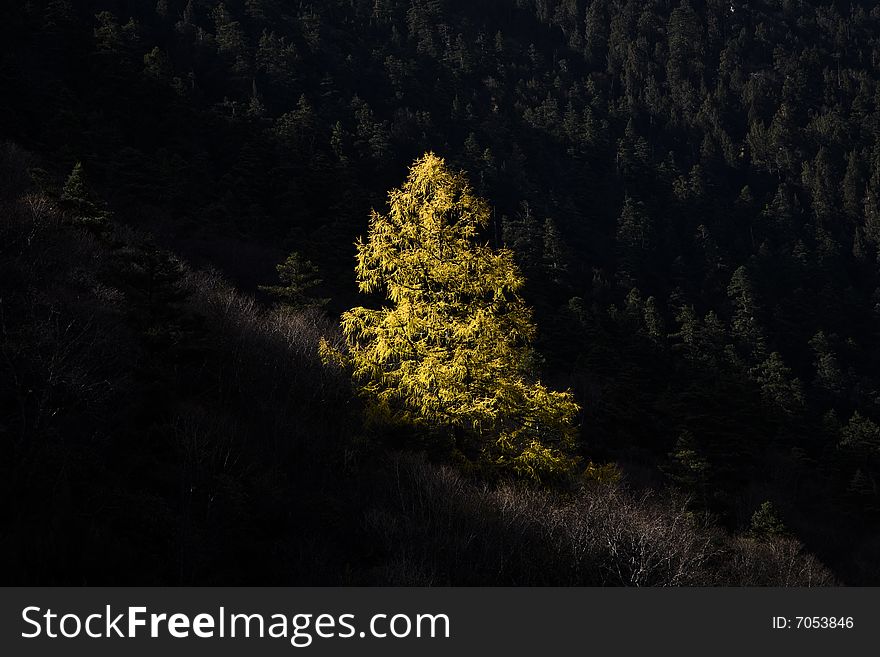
<point>691,190</point>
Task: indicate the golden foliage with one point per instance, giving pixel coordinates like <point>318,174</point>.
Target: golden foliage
<point>451,348</point>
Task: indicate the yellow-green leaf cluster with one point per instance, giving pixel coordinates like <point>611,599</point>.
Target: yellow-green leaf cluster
<point>451,347</point>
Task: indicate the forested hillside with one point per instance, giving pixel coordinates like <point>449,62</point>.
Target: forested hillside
<point>691,191</point>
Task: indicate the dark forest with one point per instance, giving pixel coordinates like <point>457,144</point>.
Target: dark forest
<point>690,190</point>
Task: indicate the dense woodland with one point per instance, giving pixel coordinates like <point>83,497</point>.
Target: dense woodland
<point>691,191</point>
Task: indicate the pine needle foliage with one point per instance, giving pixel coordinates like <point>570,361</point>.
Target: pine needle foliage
<point>451,349</point>
<point>298,277</point>
<point>79,204</point>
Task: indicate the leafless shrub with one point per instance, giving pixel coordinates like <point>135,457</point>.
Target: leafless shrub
<point>26,222</point>
<point>643,541</point>
<point>440,528</point>
<point>41,213</point>
<point>273,360</point>
<point>773,561</point>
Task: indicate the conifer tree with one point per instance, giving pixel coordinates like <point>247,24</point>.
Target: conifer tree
<point>298,278</point>
<point>451,349</point>
<point>766,522</point>
<point>522,235</point>
<point>634,237</point>
<point>689,467</point>
<point>77,200</point>
<point>778,387</point>
<point>745,324</point>
<point>555,253</point>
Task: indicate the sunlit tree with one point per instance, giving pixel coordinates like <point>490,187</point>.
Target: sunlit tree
<point>450,350</point>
